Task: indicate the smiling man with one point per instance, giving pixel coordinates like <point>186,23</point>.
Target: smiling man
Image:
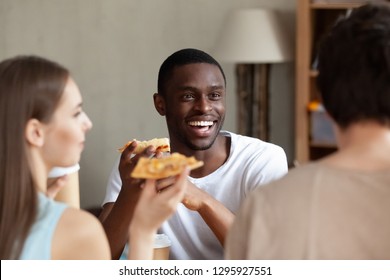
<point>192,97</point>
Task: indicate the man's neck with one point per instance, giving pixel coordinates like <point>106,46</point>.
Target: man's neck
<point>213,158</point>
<point>362,146</point>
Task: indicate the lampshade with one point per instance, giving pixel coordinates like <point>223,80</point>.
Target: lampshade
<point>253,36</point>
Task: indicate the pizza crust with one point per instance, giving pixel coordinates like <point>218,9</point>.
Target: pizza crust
<point>157,168</point>
<point>161,144</point>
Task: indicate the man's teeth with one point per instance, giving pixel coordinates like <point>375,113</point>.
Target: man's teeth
<point>201,123</point>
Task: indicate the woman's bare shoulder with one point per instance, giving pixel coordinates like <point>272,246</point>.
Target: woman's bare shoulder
<point>79,235</point>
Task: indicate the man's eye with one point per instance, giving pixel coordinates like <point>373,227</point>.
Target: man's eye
<point>215,96</point>
<point>188,96</point>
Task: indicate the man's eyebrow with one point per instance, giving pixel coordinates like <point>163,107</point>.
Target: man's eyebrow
<point>191,88</point>
<point>217,87</point>
<point>188,88</point>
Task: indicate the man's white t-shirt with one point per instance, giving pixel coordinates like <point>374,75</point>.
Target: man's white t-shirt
<point>251,163</point>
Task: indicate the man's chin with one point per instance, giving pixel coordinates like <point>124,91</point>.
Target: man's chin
<point>200,146</point>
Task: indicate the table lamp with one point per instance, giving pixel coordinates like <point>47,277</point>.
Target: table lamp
<point>252,39</point>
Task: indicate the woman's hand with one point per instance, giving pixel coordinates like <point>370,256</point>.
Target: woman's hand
<point>54,185</point>
<point>153,208</point>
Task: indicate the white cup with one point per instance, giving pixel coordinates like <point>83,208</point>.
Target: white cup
<point>61,171</point>
<point>162,245</point>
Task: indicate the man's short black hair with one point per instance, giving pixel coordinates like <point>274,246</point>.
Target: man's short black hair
<point>180,58</point>
<point>354,67</point>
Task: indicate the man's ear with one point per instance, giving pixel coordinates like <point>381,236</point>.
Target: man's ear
<point>34,133</point>
<point>159,103</point>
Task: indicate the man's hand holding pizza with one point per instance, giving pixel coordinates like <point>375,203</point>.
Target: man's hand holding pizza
<point>131,153</point>
<point>129,160</point>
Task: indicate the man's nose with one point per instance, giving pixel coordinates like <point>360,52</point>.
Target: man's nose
<point>203,104</point>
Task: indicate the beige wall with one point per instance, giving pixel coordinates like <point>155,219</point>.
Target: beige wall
<point>114,49</point>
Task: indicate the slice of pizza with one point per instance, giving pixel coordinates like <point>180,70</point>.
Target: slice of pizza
<point>157,168</point>
<point>161,144</point>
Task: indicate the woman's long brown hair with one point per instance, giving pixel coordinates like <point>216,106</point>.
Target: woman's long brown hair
<point>30,88</point>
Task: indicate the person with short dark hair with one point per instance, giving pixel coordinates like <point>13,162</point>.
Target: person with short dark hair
<point>192,97</point>
<point>337,207</point>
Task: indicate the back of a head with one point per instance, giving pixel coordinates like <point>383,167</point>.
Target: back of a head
<point>180,58</point>
<point>30,88</point>
<point>354,67</point>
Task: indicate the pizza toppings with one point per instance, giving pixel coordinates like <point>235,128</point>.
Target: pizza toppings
<point>157,168</point>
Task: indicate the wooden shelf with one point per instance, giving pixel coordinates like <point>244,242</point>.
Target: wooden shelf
<point>314,20</point>
<point>323,145</point>
<point>332,6</point>
<point>313,73</point>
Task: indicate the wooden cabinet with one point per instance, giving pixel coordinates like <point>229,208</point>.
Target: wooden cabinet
<point>314,19</point>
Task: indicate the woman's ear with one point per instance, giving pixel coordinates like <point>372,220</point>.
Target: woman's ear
<point>159,103</point>
<point>34,133</point>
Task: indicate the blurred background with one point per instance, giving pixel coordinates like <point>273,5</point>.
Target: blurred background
<point>114,50</point>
